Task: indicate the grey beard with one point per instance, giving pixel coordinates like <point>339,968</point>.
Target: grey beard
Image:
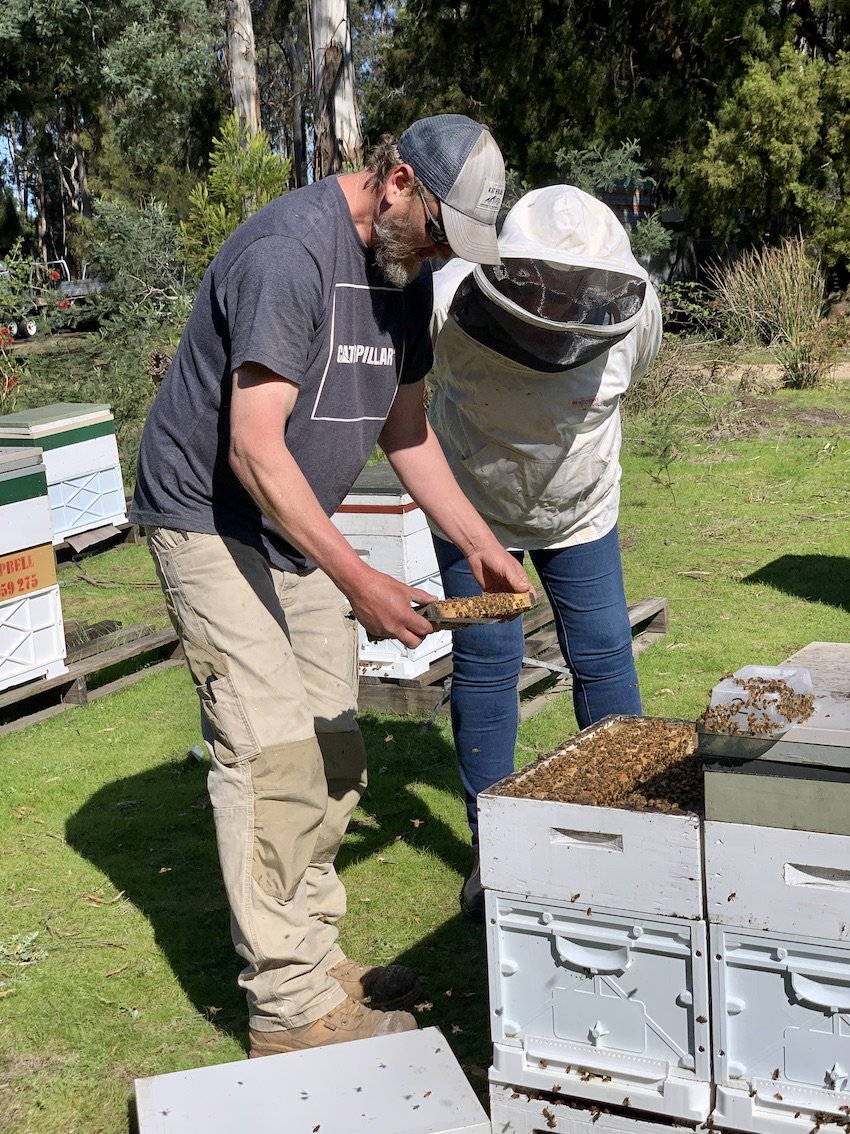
<point>393,252</point>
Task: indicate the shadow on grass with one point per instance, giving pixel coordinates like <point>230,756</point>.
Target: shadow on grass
<point>152,834</point>
<point>815,578</point>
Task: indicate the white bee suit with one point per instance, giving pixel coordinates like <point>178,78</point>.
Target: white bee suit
<point>531,359</point>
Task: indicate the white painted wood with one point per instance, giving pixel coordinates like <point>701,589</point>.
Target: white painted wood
<point>409,1083</point>
<point>828,664</point>
<point>68,461</point>
<point>26,523</point>
<point>385,525</point>
<point>408,557</point>
<point>777,880</point>
<point>643,862</point>
<point>58,417</point>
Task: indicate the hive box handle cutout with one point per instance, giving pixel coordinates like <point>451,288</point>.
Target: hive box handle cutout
<point>594,840</point>
<point>826,877</point>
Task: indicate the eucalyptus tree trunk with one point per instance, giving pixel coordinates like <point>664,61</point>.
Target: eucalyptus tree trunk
<point>242,64</point>
<point>336,114</point>
<point>294,48</point>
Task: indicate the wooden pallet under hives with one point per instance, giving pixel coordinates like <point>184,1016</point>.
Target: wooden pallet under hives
<point>429,692</point>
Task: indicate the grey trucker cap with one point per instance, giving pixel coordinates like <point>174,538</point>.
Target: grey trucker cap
<point>458,160</point>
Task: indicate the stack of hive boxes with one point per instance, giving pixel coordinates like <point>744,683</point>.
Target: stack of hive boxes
<point>32,638</point>
<point>777,859</point>
<point>80,454</point>
<point>389,530</point>
<point>627,996</point>
<point>598,965</point>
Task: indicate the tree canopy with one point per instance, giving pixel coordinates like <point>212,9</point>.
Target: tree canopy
<point>741,108</point>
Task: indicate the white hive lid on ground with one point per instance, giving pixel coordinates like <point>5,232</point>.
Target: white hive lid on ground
<point>409,1083</point>
<point>56,418</point>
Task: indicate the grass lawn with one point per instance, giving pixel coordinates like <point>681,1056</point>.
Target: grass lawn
<point>115,956</point>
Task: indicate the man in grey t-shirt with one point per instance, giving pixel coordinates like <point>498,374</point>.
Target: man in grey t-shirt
<point>308,345</point>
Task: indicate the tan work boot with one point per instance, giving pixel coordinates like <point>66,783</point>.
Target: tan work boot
<point>379,986</point>
<point>350,1020</point>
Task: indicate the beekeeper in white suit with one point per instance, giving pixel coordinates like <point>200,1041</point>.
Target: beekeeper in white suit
<point>531,359</point>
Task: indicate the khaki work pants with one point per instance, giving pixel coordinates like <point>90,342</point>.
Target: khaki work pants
<point>274,662</point>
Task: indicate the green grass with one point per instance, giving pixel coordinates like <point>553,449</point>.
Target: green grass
<point>115,957</point>
<point>118,584</point>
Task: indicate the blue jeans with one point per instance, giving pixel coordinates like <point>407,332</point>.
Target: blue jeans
<point>584,584</point>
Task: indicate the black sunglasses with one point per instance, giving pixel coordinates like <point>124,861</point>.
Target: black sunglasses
<point>436,232</point>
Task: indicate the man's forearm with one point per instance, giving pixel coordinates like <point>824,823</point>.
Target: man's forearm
<point>425,473</point>
<point>281,491</point>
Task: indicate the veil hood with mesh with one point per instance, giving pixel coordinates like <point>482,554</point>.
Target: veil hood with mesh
<point>567,289</point>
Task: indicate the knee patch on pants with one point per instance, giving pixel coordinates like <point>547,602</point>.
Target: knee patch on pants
<point>290,800</point>
<point>344,756</point>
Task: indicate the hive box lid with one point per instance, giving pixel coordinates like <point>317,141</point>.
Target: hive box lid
<point>55,418</point>
<point>828,664</point>
<point>377,485</point>
<point>408,1083</point>
<point>15,460</point>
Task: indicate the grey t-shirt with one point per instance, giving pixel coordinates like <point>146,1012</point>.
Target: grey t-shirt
<point>296,290</point>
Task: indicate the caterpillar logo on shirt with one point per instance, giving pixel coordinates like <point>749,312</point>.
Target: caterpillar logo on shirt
<point>369,355</point>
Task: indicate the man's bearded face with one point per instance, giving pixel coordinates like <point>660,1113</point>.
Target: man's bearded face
<point>398,248</point>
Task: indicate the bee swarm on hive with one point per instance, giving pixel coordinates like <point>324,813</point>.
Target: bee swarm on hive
<point>761,698</point>
<point>637,763</point>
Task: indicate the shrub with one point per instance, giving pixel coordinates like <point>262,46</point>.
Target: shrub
<point>11,372</point>
<point>687,309</point>
<point>600,171</point>
<point>770,295</point>
<point>775,297</point>
<point>245,174</point>
<point>142,311</point>
<point>660,409</point>
<point>807,360</point>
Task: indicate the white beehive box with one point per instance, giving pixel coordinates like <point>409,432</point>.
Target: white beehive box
<point>515,1112</point>
<point>778,881</point>
<point>781,1031</point>
<point>408,1083</point>
<point>84,481</point>
<point>24,506</point>
<point>32,637</point>
<point>604,1005</point>
<point>388,529</point>
<point>642,862</point>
